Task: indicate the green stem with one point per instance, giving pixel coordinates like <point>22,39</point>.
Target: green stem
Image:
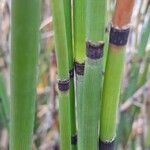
<point>105,50</point>
<point>113,74</point>
<point>63,72</point>
<point>110,96</point>
<point>79,51</point>
<point>79,30</point>
<point>25,19</point>
<point>95,29</point>
<point>68,19</point>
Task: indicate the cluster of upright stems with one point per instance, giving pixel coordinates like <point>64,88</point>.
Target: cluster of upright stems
<point>79,45</point>
<point>94,127</point>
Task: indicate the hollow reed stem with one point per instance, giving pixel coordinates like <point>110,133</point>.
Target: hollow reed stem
<point>95,29</point>
<point>79,52</point>
<point>25,19</point>
<point>63,73</point>
<point>114,69</point>
<point>68,19</point>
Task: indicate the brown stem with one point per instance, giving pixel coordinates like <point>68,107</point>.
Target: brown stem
<point>123,12</point>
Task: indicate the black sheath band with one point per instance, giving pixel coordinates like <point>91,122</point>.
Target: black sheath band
<point>94,51</point>
<point>79,68</point>
<point>106,145</point>
<point>71,73</point>
<point>74,139</point>
<point>119,37</point>
<point>63,85</point>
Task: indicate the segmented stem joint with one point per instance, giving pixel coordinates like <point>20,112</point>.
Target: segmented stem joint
<point>63,85</point>
<point>79,68</point>
<point>74,139</point>
<point>106,145</point>
<point>119,37</point>
<point>94,51</point>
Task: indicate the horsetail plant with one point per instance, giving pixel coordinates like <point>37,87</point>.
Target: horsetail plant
<point>79,52</point>
<point>63,73</point>
<point>113,74</point>
<point>68,23</point>
<point>80,43</point>
<point>25,19</point>
<point>95,29</point>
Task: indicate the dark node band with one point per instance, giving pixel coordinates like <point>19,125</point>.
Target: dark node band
<point>106,145</point>
<point>63,85</point>
<point>79,68</point>
<point>74,139</point>
<point>94,51</point>
<point>71,73</point>
<point>119,37</point>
